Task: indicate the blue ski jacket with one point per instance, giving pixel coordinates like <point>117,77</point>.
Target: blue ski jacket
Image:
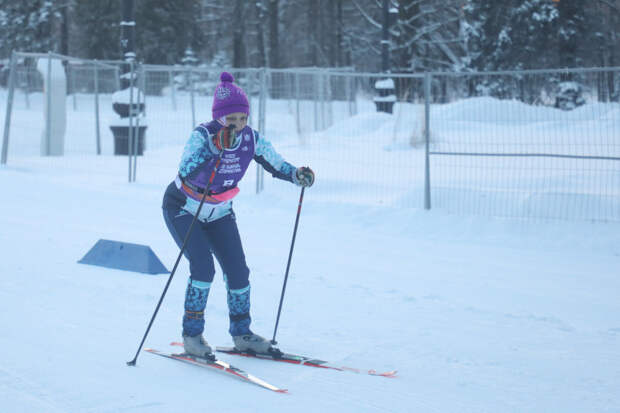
<point>198,160</point>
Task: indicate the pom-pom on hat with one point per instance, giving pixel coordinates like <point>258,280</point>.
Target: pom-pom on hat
<point>229,98</point>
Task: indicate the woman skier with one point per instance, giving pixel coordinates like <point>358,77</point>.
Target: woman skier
<point>229,144</point>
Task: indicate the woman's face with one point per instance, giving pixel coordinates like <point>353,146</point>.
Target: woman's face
<point>239,119</point>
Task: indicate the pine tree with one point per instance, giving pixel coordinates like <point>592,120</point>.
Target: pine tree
<point>164,29</point>
<point>96,29</point>
<point>513,36</point>
<point>571,31</point>
<point>528,32</point>
<point>28,25</point>
<point>484,23</point>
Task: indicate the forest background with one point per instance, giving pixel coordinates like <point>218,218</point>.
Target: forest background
<point>425,35</point>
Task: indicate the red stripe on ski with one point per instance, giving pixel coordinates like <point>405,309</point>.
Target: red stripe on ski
<point>300,360</point>
<point>221,366</point>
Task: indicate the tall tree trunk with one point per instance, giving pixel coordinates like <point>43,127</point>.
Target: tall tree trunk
<point>313,15</point>
<point>339,37</point>
<point>332,41</point>
<point>239,57</point>
<point>320,34</point>
<point>64,31</point>
<point>260,33</point>
<point>570,12</point>
<point>274,22</point>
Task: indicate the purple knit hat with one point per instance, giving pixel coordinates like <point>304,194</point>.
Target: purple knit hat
<point>229,98</point>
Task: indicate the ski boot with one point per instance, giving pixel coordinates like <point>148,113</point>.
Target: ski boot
<point>197,346</point>
<point>254,344</point>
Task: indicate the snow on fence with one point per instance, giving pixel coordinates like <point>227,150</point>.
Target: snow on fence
<point>526,144</point>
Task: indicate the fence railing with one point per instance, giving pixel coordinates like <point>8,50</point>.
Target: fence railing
<point>526,144</point>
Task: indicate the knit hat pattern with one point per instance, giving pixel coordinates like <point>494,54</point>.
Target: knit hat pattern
<point>229,98</point>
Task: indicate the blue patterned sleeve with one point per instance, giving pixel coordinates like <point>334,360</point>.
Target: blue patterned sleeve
<point>198,150</point>
<point>272,161</point>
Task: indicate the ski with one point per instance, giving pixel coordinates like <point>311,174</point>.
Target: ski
<point>219,365</point>
<point>300,360</point>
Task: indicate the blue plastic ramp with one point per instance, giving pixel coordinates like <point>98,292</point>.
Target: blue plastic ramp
<point>124,256</point>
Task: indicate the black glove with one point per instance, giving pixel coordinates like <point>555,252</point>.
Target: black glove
<point>225,138</point>
<point>305,176</point>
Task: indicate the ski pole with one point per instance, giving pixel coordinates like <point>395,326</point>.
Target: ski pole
<point>288,265</point>
<point>176,264</point>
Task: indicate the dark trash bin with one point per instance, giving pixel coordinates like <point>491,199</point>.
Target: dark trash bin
<point>121,140</point>
<point>387,95</point>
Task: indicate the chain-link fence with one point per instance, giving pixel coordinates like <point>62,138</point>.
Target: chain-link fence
<point>61,128</point>
<point>181,97</point>
<point>528,144</point>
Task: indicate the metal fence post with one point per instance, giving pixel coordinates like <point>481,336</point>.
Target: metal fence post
<point>315,98</point>
<point>73,73</point>
<point>97,131</point>
<point>297,114</point>
<point>191,94</point>
<point>136,136</point>
<point>9,109</point>
<point>262,106</point>
<point>173,94</point>
<point>347,92</point>
<point>354,95</point>
<point>427,138</point>
<point>250,87</point>
<point>290,84</point>
<point>262,101</point>
<point>27,88</point>
<point>322,97</point>
<point>142,86</point>
<point>330,106</point>
<point>48,109</point>
<point>130,136</point>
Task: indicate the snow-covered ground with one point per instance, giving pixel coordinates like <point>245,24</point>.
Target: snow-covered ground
<point>477,314</point>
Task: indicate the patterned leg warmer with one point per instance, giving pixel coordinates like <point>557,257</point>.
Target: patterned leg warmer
<point>195,302</point>
<point>239,311</point>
